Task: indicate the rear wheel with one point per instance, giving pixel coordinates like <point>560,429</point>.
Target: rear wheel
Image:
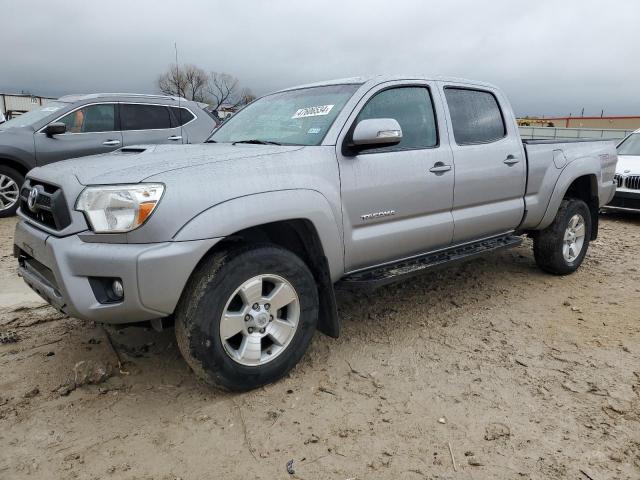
<point>561,247</point>
<point>247,316</point>
<point>10,183</point>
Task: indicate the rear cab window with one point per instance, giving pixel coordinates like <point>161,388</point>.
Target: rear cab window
<point>476,116</point>
<point>136,116</point>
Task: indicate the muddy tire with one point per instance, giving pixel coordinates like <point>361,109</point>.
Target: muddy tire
<point>247,316</point>
<point>561,247</point>
<point>10,184</point>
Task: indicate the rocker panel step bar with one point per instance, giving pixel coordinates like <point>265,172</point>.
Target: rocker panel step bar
<point>385,274</point>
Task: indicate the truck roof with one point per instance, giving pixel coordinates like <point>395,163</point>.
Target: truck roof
<point>376,79</point>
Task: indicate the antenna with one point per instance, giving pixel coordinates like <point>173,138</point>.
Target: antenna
<point>175,46</point>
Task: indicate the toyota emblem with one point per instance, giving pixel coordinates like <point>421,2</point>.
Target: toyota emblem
<point>33,198</point>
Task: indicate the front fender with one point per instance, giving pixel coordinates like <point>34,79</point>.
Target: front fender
<point>580,167</point>
<point>21,158</point>
<point>257,209</point>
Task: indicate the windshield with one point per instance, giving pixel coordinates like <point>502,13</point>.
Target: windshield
<point>295,117</point>
<point>630,146</point>
<point>29,118</point>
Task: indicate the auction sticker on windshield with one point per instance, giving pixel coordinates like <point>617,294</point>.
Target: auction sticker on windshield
<point>312,111</point>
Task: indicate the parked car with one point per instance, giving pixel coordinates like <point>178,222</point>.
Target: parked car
<point>627,195</point>
<point>80,125</point>
<point>359,181</point>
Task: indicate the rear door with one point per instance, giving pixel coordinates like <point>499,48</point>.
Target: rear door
<point>183,119</point>
<point>394,206</point>
<point>91,129</point>
<point>490,168</point>
<point>144,123</point>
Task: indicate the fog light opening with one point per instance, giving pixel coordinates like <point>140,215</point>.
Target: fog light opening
<point>107,289</point>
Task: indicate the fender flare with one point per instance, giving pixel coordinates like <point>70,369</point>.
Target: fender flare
<point>580,167</point>
<point>233,215</point>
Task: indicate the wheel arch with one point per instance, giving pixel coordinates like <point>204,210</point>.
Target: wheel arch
<point>299,220</point>
<point>17,165</point>
<point>577,180</point>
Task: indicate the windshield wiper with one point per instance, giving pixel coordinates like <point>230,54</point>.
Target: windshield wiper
<point>256,142</point>
<point>210,141</point>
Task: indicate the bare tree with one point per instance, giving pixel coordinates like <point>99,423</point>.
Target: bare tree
<point>187,81</point>
<point>172,82</point>
<point>196,80</point>
<point>223,89</point>
<point>216,89</point>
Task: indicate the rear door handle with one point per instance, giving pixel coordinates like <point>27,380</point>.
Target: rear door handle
<point>439,167</point>
<point>111,143</point>
<point>511,160</point>
<point>175,138</point>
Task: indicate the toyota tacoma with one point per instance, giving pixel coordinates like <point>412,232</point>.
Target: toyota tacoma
<point>241,240</point>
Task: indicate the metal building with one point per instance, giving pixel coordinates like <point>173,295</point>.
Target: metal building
<point>14,104</point>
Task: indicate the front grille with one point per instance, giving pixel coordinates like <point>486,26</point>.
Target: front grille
<point>633,182</point>
<point>619,180</point>
<point>49,209</point>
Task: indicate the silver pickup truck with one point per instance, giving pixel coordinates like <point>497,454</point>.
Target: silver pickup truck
<point>241,240</point>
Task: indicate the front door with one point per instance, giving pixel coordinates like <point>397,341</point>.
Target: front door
<point>145,124</point>
<point>91,129</point>
<point>397,200</point>
<point>491,174</point>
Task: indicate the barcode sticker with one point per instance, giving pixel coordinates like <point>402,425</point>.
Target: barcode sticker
<point>312,111</point>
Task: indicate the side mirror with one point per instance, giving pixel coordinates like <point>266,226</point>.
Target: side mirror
<point>376,132</point>
<point>55,128</point>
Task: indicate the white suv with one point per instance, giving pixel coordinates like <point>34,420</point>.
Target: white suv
<point>627,195</point>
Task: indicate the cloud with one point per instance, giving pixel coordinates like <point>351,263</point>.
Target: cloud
<point>550,57</point>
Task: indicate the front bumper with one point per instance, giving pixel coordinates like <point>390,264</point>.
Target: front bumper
<point>153,274</point>
<point>625,200</point>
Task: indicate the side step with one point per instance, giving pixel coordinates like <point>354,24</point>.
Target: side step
<point>378,276</point>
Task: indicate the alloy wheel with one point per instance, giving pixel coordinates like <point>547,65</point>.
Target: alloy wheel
<point>573,238</point>
<point>9,192</point>
<point>259,320</point>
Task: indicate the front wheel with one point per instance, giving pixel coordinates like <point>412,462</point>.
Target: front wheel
<point>10,183</point>
<point>561,247</point>
<point>247,316</point>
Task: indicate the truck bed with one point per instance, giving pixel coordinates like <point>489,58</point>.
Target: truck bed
<point>548,159</point>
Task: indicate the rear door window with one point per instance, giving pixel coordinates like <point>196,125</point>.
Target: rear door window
<point>91,119</point>
<point>475,116</point>
<point>180,116</point>
<point>144,117</point>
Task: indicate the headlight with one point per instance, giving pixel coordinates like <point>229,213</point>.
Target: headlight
<point>119,208</point>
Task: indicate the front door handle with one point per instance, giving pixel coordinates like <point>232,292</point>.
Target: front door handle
<point>175,138</point>
<point>439,168</point>
<point>111,143</point>
<point>511,160</point>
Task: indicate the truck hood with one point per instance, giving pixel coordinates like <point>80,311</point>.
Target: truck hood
<point>628,165</point>
<point>137,163</point>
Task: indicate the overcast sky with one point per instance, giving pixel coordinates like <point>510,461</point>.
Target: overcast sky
<point>551,57</point>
